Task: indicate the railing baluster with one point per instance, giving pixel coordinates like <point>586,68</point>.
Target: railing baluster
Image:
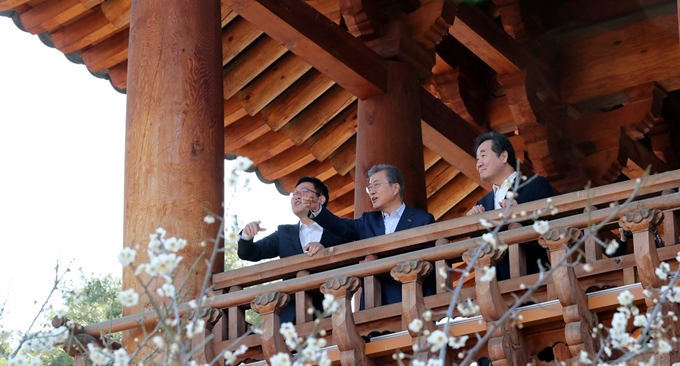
<point>302,302</point>
<point>269,306</point>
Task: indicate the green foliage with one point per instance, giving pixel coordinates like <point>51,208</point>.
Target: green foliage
<point>96,301</point>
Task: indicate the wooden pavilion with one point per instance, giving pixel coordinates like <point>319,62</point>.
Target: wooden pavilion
<point>586,91</point>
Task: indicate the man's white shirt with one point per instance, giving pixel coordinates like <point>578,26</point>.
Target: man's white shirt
<point>500,193</point>
<point>392,219</point>
<point>309,233</point>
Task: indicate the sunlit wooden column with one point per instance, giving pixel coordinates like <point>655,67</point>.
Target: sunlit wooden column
<point>388,132</point>
<point>174,137</point>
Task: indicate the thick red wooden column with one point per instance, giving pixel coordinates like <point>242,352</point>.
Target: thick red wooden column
<point>388,132</point>
<point>174,141</point>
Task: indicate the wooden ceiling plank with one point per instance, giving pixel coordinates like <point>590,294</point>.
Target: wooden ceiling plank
<point>9,4</point>
<point>244,131</point>
<point>322,170</point>
<point>648,38</point>
<point>285,163</point>
<point>118,75</point>
<point>108,53</point>
<point>272,82</point>
<point>249,64</point>
<point>462,207</point>
<point>296,98</point>
<point>593,125</point>
<point>331,136</point>
<point>339,185</point>
<point>233,111</point>
<point>236,36</point>
<point>227,14</point>
<point>117,12</point>
<point>343,205</point>
<point>49,15</point>
<point>344,158</point>
<point>430,158</point>
<point>450,194</point>
<point>322,110</point>
<point>85,31</point>
<point>438,176</point>
<point>323,44</point>
<point>486,39</point>
<point>267,146</point>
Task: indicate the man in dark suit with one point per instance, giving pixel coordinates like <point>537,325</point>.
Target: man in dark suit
<point>386,191</point>
<point>304,237</point>
<point>496,164</point>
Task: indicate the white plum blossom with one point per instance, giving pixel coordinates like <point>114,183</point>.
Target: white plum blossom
<point>663,271</point>
<point>232,181</point>
<point>583,358</point>
<point>490,238</point>
<point>158,341</point>
<point>510,195</point>
<point>120,357</point>
<point>174,244</point>
<point>128,298</point>
<point>127,256</point>
<point>280,359</point>
<point>155,243</point>
<point>662,346</point>
<point>427,315</point>
<point>242,163</point>
<point>443,272</point>
<point>640,321</point>
<point>587,267</point>
<point>486,223</point>
<point>231,237</point>
<point>541,226</point>
<point>195,327</point>
<point>329,304</point>
<point>612,247</point>
<point>289,333</point>
<point>415,325</point>
<point>163,264</point>
<point>209,219</point>
<point>18,360</point>
<point>436,340</point>
<point>625,298</point>
<point>97,355</point>
<point>468,308</point>
<point>458,342</point>
<point>434,362</point>
<point>415,362</point>
<point>488,274</point>
<point>167,290</point>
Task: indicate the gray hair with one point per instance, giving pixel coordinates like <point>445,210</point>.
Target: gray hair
<point>393,175</point>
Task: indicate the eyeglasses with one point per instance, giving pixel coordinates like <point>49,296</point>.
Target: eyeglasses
<point>302,191</point>
<point>370,187</point>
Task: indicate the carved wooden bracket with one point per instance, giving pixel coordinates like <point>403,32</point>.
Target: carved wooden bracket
<point>360,17</point>
<point>269,307</point>
<point>457,92</point>
<point>345,334</point>
<point>575,312</point>
<point>642,220</point>
<point>511,17</point>
<point>211,316</point>
<point>507,343</point>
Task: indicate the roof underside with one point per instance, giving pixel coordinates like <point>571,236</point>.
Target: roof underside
<point>586,91</point>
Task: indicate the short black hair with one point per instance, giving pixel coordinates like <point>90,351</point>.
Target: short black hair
<point>393,175</point>
<point>499,143</point>
<point>319,187</point>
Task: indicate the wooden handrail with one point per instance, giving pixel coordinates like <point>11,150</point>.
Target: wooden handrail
<point>351,253</point>
<point>383,265</point>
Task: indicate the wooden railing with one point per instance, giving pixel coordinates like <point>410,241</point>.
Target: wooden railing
<point>562,312</point>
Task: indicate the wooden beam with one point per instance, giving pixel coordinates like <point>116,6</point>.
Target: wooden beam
<point>487,40</point>
<point>430,158</point>
<point>321,170</point>
<point>236,36</point>
<point>339,185</point>
<point>639,158</point>
<point>462,207</point>
<point>245,130</point>
<point>108,53</point>
<point>638,41</point>
<point>343,205</point>
<point>285,163</point>
<point>49,15</point>
<point>448,135</point>
<point>344,158</point>
<point>450,194</point>
<point>233,111</point>
<point>593,125</point>
<point>296,98</point>
<point>272,82</point>
<point>266,147</point>
<point>249,64</point>
<point>335,133</point>
<point>438,176</point>
<point>322,110</point>
<point>118,75</point>
<point>319,41</point>
<point>499,115</point>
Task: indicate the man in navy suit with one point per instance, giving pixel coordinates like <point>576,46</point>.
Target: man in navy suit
<point>386,191</point>
<point>304,237</point>
<point>496,164</point>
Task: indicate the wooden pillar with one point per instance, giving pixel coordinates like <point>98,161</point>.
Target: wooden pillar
<point>388,132</point>
<point>174,139</point>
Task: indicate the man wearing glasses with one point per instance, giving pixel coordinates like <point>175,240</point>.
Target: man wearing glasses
<point>386,192</point>
<point>304,237</point>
